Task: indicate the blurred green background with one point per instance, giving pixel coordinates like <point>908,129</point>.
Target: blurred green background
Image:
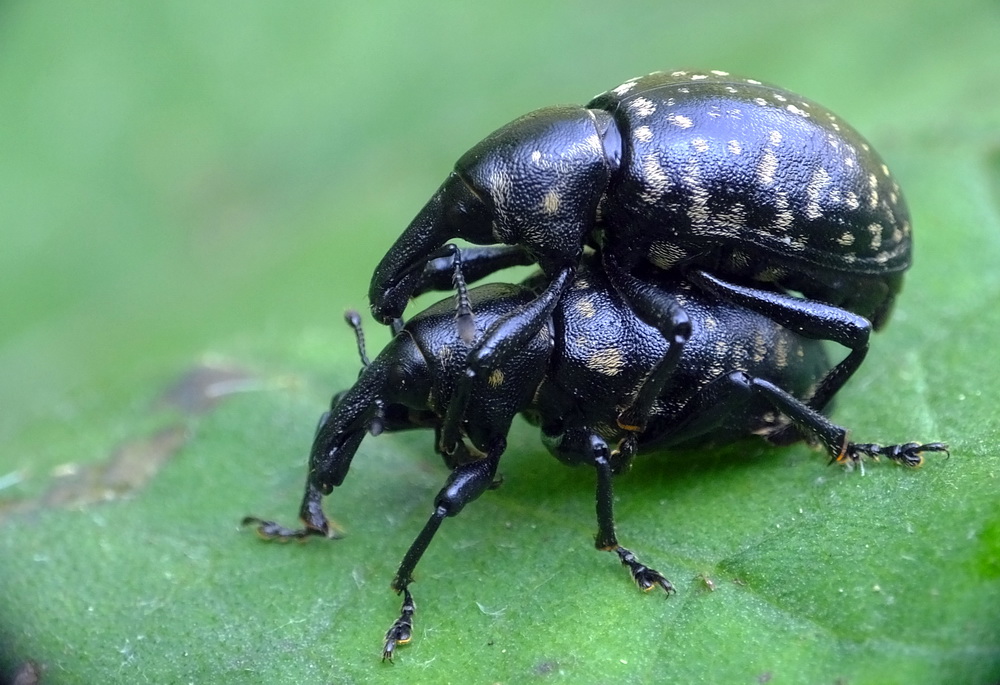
<point>191,193</point>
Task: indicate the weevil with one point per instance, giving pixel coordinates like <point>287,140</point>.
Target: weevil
<point>600,383</point>
<point>683,170</point>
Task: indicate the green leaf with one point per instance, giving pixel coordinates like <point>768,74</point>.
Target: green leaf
<point>190,197</point>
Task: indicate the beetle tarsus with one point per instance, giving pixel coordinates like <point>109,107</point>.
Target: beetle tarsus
<point>270,530</point>
<point>646,578</point>
<point>401,631</point>
<point>909,454</point>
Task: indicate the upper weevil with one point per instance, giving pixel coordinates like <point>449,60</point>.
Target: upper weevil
<point>679,171</point>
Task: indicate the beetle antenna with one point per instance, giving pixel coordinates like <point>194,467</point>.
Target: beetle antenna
<point>464,320</point>
<point>353,320</point>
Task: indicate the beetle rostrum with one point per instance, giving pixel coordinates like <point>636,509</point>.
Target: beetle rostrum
<point>599,382</point>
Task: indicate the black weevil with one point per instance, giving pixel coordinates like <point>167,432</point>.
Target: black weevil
<point>600,383</point>
<point>681,170</point>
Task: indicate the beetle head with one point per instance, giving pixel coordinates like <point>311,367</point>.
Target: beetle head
<point>535,182</point>
<point>540,178</point>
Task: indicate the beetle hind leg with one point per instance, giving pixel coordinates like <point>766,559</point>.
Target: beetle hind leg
<point>832,437</point>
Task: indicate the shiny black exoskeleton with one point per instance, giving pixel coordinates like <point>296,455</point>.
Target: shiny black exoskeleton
<point>704,168</point>
<point>600,383</point>
<point>682,170</point>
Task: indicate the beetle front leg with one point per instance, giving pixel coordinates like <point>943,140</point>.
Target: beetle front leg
<point>504,339</point>
<point>606,540</point>
<point>466,483</point>
<point>476,263</point>
<point>458,267</point>
<point>339,432</point>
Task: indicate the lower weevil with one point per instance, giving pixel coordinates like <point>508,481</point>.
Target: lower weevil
<point>601,384</point>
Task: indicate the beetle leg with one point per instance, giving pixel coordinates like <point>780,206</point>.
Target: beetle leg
<point>645,577</point>
<point>448,257</point>
<point>505,338</point>
<point>834,438</point>
<point>338,434</point>
<point>662,311</point>
<point>909,454</point>
<point>401,631</point>
<point>808,318</point>
<point>466,483</point>
<point>477,262</point>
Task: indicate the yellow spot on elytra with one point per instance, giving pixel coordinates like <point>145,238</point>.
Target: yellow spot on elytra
<point>665,255</point>
<point>496,378</point>
<point>657,181</point>
<point>759,347</point>
<point>876,231</point>
<point>680,120</point>
<point>550,202</point>
<point>609,362</point>
<point>642,107</point>
<point>768,165</point>
<point>817,182</point>
<point>781,353</point>
<point>585,308</point>
<point>734,218</point>
<point>624,88</point>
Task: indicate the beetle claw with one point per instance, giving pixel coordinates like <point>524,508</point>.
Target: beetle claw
<point>646,578</point>
<point>401,631</point>
<point>270,530</point>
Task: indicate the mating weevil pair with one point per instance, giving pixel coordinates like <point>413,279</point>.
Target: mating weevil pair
<point>673,218</point>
